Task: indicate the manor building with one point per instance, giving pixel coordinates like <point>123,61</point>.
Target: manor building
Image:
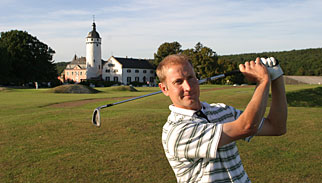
<point>128,70</point>
<point>76,70</point>
<point>117,69</point>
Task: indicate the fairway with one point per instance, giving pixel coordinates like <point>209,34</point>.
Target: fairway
<point>48,137</point>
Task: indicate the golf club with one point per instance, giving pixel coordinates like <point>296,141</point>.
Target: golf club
<point>96,118</point>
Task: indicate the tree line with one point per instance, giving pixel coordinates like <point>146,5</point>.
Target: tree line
<point>25,59</point>
<point>306,62</point>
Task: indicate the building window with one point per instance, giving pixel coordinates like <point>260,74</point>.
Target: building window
<point>151,72</point>
<point>94,60</point>
<point>151,79</point>
<point>136,71</point>
<point>137,79</point>
<point>115,71</point>
<point>67,73</point>
<point>144,79</point>
<point>107,71</point>
<point>129,71</point>
<point>144,71</point>
<point>80,73</point>
<point>128,79</point>
<point>72,73</point>
<point>110,65</point>
<point>116,79</point>
<point>107,78</point>
<point>99,67</point>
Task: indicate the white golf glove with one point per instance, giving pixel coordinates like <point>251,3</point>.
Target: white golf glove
<point>274,69</point>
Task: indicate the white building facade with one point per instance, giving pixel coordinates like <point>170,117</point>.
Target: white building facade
<point>128,71</point>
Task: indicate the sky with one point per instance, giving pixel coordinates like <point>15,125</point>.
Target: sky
<point>136,28</point>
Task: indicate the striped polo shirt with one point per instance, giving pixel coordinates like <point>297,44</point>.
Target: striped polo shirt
<point>191,142</point>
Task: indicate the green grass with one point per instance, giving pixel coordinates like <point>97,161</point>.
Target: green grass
<point>41,142</point>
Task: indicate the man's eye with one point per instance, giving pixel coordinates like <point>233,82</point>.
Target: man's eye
<point>178,82</point>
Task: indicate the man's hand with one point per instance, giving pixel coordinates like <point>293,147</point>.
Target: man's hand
<point>254,71</point>
<point>274,69</point>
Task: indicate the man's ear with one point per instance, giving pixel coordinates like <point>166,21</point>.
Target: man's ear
<point>164,89</point>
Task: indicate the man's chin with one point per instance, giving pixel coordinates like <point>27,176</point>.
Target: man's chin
<point>193,105</point>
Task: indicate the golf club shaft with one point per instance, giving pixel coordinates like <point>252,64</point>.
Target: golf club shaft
<point>96,118</point>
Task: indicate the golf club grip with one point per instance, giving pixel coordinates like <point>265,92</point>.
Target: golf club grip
<point>238,71</point>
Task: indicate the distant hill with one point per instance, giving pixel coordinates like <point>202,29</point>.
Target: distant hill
<point>306,62</point>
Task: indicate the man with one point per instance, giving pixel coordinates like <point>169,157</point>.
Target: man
<point>199,138</point>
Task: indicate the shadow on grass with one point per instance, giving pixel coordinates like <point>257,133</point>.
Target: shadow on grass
<point>305,98</point>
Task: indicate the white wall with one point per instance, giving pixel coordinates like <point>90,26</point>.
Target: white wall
<point>116,70</point>
<point>133,74</point>
<point>93,52</point>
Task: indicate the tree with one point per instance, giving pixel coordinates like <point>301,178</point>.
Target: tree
<point>204,60</point>
<point>29,59</point>
<point>166,49</point>
<point>5,67</point>
<point>227,66</point>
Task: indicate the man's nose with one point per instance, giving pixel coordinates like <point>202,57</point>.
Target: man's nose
<point>186,85</point>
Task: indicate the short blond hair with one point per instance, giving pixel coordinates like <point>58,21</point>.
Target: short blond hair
<point>176,59</point>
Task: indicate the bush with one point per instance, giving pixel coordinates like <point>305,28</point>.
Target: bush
<point>136,83</point>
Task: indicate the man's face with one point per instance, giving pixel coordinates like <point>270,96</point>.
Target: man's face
<point>182,86</point>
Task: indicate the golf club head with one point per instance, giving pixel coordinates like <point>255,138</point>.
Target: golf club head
<point>96,118</point>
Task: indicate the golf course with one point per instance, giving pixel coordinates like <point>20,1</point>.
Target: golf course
<point>48,137</point>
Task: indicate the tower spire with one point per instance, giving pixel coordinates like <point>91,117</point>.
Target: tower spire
<point>94,25</point>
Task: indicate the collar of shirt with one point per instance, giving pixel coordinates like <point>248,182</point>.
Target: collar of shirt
<point>187,112</point>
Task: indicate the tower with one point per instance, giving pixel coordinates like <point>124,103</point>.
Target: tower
<point>93,54</point>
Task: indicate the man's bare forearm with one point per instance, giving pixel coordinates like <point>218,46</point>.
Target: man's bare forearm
<point>255,109</point>
<point>277,116</point>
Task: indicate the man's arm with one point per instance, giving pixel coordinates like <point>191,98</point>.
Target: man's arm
<point>275,122</point>
<point>247,124</point>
